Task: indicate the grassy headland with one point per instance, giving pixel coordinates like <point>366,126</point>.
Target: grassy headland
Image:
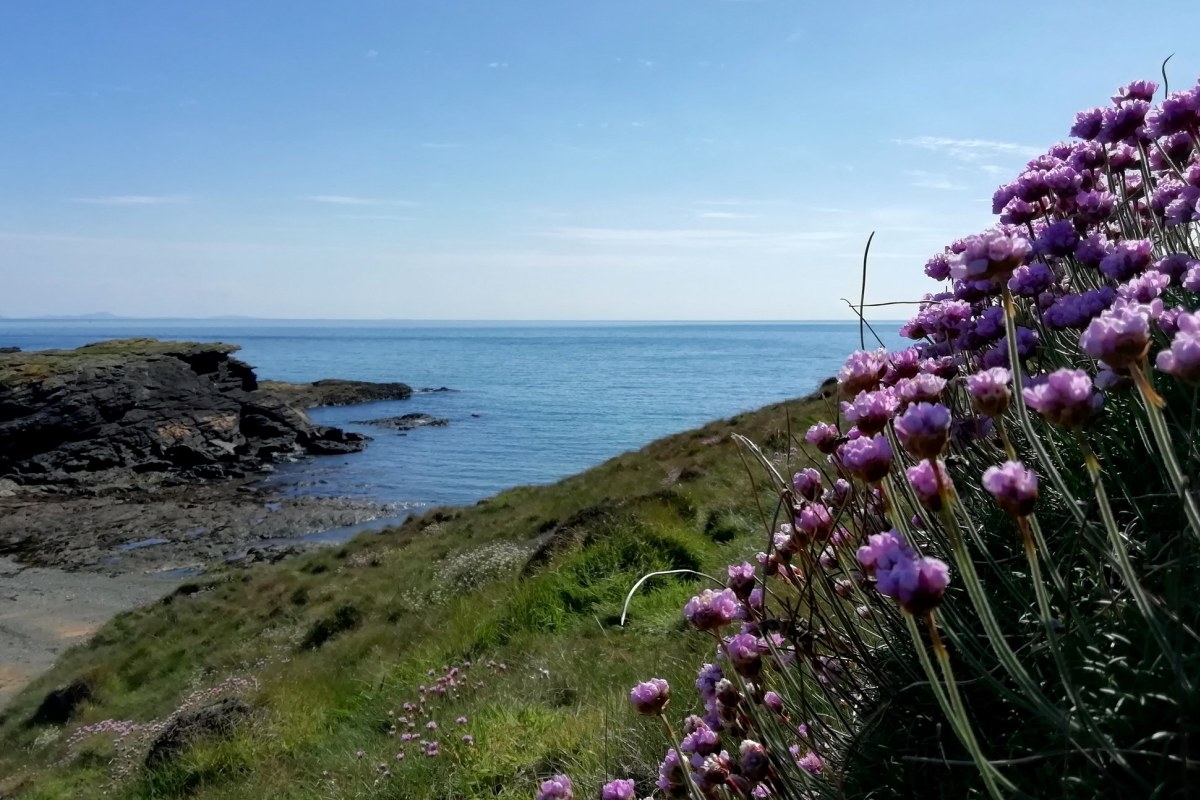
<point>325,649</point>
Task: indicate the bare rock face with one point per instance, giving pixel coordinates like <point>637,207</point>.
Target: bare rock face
<point>139,406</point>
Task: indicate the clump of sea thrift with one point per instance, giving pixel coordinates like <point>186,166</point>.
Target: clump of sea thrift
<point>916,582</point>
<point>620,789</point>
<point>1014,486</point>
<point>868,459</point>
<point>930,481</point>
<point>862,371</point>
<point>557,788</point>
<point>1065,397</point>
<point>1182,358</point>
<point>990,391</point>
<point>989,255</point>
<point>712,609</point>
<point>1091,275</point>
<point>1120,337</point>
<point>924,429</point>
<point>650,697</point>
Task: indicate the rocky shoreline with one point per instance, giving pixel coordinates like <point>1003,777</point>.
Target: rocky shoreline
<point>144,456</point>
<point>130,466</point>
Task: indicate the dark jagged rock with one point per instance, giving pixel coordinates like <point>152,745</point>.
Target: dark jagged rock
<point>6,350</point>
<point>216,721</point>
<point>114,409</point>
<point>60,705</point>
<point>405,422</point>
<point>333,392</point>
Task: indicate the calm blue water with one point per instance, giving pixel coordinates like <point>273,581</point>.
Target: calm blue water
<point>534,403</point>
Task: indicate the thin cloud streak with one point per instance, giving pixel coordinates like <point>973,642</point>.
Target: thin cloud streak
<point>725,215</point>
<point>352,200</point>
<point>932,180</point>
<point>969,149</point>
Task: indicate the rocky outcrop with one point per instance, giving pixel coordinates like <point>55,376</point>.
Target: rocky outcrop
<point>333,392</point>
<point>405,422</point>
<point>143,406</point>
<point>218,720</point>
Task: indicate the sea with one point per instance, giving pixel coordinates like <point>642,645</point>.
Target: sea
<point>530,403</point>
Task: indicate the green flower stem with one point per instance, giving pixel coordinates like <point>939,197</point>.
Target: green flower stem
<point>952,705</point>
<point>1000,645</point>
<point>1043,600</point>
<point>1014,363</point>
<point>1162,437</point>
<point>893,507</point>
<point>1044,549</point>
<point>1125,566</point>
<point>1009,450</point>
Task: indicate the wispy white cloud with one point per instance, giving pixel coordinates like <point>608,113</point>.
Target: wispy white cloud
<point>995,170</point>
<point>969,149</point>
<point>497,65</point>
<point>131,199</point>
<point>371,54</point>
<point>442,145</point>
<point>389,217</point>
<point>340,199</point>
<point>736,201</point>
<point>725,215</point>
<point>933,180</point>
<point>351,200</point>
<point>647,62</point>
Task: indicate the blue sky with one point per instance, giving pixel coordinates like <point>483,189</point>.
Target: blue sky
<point>527,159</point>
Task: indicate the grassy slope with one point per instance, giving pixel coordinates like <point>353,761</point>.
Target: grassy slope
<point>533,578</point>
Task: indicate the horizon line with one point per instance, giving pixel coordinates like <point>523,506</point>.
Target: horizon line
<point>434,320</point>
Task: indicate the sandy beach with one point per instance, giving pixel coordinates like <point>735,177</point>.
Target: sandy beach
<point>44,611</point>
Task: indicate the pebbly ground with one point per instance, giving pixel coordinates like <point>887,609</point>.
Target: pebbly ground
<point>45,611</point>
<point>69,563</point>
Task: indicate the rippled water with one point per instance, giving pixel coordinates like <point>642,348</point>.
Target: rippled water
<point>532,403</point>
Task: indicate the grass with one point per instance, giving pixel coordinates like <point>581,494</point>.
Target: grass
<point>22,367</point>
<point>533,579</point>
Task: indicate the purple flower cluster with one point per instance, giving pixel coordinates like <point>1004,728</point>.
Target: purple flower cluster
<point>712,609</point>
<point>1120,337</point>
<point>1014,487</point>
<point>620,789</point>
<point>989,390</point>
<point>868,459</point>
<point>862,371</point>
<point>1182,358</point>
<point>916,582</point>
<point>1065,397</point>
<point>871,411</point>
<point>650,697</point>
<point>992,254</point>
<point>557,788</point>
<point>807,483</point>
<point>1090,271</point>
<point>924,429</point>
<point>930,481</point>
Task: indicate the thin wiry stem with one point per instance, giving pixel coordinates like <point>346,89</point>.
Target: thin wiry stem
<point>1022,413</point>
<point>1125,566</point>
<point>1153,403</point>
